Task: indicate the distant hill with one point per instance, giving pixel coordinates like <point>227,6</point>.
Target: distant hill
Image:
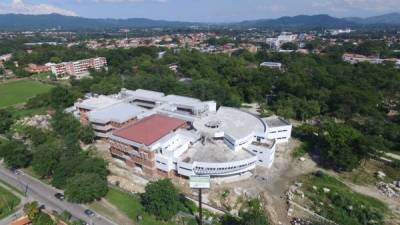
<point>301,21</point>
<point>23,22</point>
<point>388,19</point>
<point>49,21</point>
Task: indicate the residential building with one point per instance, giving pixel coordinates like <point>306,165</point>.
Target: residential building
<point>34,68</point>
<point>78,69</point>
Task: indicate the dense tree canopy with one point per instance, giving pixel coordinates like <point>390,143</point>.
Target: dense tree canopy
<point>6,120</point>
<point>85,187</point>
<point>161,199</point>
<point>15,154</point>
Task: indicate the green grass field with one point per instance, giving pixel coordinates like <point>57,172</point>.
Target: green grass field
<point>8,202</point>
<point>20,91</point>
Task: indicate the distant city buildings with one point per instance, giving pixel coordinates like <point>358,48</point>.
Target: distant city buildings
<point>357,58</point>
<point>78,69</point>
<point>339,31</point>
<point>283,38</point>
<point>171,135</point>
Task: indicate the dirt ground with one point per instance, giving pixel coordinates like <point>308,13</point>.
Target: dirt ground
<point>269,185</point>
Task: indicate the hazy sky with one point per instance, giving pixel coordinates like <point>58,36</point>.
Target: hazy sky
<point>201,10</point>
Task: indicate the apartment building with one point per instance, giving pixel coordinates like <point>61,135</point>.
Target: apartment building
<point>78,69</point>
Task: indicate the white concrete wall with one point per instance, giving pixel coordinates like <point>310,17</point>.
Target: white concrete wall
<point>185,169</point>
<point>225,168</point>
<point>164,163</point>
<point>282,134</point>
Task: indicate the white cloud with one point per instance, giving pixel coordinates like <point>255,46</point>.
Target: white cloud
<point>19,6</point>
<point>125,1</point>
<point>348,6</point>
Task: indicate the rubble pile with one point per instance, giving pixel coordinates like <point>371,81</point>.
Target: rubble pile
<point>300,221</point>
<point>290,194</point>
<point>389,190</point>
<point>37,121</point>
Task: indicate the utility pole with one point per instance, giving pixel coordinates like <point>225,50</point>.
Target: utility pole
<point>200,209</point>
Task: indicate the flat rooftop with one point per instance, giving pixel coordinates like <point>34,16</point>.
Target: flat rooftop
<point>146,94</point>
<point>275,121</point>
<point>149,129</point>
<point>98,102</point>
<point>234,122</point>
<point>213,151</point>
<point>180,100</point>
<point>119,112</point>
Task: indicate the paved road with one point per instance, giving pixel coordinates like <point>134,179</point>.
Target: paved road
<point>44,194</point>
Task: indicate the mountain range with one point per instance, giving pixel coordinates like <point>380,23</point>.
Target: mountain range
<point>49,21</point>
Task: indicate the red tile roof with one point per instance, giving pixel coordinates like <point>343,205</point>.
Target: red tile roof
<point>21,221</point>
<point>149,129</point>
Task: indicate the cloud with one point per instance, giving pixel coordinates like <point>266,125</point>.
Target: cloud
<point>19,6</point>
<point>348,6</point>
<point>126,1</point>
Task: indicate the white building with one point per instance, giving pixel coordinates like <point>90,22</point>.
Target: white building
<point>272,65</point>
<point>278,129</point>
<point>171,134</point>
<point>283,38</point>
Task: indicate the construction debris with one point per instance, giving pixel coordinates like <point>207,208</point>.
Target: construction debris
<point>390,190</point>
<point>37,121</point>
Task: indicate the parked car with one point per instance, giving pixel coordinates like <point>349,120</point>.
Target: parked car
<point>15,170</point>
<point>89,213</point>
<point>59,196</point>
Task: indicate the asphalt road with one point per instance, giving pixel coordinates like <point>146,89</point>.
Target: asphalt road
<point>44,194</point>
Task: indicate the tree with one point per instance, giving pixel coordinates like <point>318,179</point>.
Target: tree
<point>61,97</point>
<point>65,124</point>
<point>161,199</point>
<point>6,120</point>
<point>43,219</point>
<point>15,154</point>
<point>31,209</point>
<point>45,159</point>
<point>340,145</point>
<point>86,134</point>
<point>85,187</point>
<point>289,46</point>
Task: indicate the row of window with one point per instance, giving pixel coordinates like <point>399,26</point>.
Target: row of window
<point>225,168</point>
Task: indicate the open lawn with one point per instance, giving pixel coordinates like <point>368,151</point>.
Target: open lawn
<point>340,204</point>
<point>8,202</point>
<point>20,91</point>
